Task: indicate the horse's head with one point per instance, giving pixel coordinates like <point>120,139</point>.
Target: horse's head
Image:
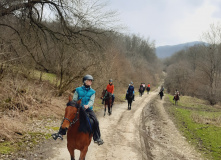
<point>71,113</point>
<point>103,93</point>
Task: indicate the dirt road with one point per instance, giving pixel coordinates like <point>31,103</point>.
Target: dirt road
<point>143,133</point>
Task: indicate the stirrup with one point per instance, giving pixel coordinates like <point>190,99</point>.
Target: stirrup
<point>57,135</point>
<point>99,141</point>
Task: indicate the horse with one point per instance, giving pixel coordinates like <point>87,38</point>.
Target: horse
<point>80,131</point>
<point>148,90</point>
<point>107,101</point>
<point>176,98</point>
<point>129,98</point>
<point>141,91</point>
<point>161,94</point>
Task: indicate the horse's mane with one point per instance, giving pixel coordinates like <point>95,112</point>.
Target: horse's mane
<point>83,118</point>
<point>84,122</point>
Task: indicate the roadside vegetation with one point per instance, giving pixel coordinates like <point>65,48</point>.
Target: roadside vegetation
<point>200,123</point>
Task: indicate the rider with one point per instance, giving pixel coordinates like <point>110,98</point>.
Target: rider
<point>148,85</point>
<point>141,86</point>
<point>162,89</point>
<point>131,89</point>
<point>148,88</point>
<point>144,86</point>
<point>110,89</point>
<point>87,96</point>
<point>176,94</point>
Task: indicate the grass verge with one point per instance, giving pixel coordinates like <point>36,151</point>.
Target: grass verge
<point>200,124</point>
<point>25,143</point>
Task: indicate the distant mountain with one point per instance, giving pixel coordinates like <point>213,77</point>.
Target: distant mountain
<point>169,50</point>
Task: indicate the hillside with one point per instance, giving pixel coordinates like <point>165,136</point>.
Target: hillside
<point>169,50</point>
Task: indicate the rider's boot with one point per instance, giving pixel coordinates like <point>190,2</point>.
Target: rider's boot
<point>57,135</point>
<point>60,134</point>
<point>99,141</point>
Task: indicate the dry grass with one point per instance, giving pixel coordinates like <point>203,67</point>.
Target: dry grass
<point>205,119</point>
<point>25,102</point>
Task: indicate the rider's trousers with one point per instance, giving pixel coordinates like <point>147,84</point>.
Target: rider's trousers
<point>96,129</point>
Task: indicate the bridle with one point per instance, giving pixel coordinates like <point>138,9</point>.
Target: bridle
<point>75,118</point>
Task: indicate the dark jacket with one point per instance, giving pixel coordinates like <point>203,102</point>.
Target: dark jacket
<point>130,89</point>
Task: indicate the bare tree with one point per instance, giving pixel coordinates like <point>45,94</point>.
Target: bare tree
<point>74,22</point>
<point>210,65</point>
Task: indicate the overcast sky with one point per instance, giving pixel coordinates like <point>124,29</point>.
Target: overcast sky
<point>168,22</point>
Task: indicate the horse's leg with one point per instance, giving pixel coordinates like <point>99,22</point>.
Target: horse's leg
<point>108,108</point>
<point>71,151</point>
<point>83,153</point>
<point>104,109</point>
<point>109,103</point>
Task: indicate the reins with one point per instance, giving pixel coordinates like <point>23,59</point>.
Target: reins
<point>75,118</point>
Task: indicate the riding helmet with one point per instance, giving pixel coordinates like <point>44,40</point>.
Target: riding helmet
<point>87,77</point>
<point>131,83</point>
<point>110,80</point>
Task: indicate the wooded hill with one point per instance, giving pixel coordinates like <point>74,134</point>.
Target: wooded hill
<point>196,71</point>
<point>169,50</point>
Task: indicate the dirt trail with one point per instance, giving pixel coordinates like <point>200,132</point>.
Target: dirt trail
<point>144,132</point>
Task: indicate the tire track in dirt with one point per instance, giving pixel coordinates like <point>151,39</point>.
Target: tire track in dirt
<point>162,140</point>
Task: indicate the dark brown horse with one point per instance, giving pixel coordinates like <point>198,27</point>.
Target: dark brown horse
<point>176,98</point>
<point>79,130</point>
<point>129,98</point>
<point>161,94</point>
<point>141,91</point>
<point>148,90</point>
<point>107,101</point>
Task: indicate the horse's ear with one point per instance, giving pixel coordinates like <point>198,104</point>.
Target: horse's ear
<point>79,101</point>
<point>70,98</point>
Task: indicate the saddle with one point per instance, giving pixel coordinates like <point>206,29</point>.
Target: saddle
<point>90,122</point>
<point>129,95</point>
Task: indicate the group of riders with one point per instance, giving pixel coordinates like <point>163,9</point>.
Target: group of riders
<point>176,96</point>
<point>143,88</point>
<point>87,96</point>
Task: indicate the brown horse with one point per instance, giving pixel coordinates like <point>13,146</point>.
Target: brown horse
<point>161,94</point>
<point>176,98</point>
<point>148,90</point>
<point>79,130</point>
<point>129,98</point>
<point>107,101</point>
<point>141,91</point>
